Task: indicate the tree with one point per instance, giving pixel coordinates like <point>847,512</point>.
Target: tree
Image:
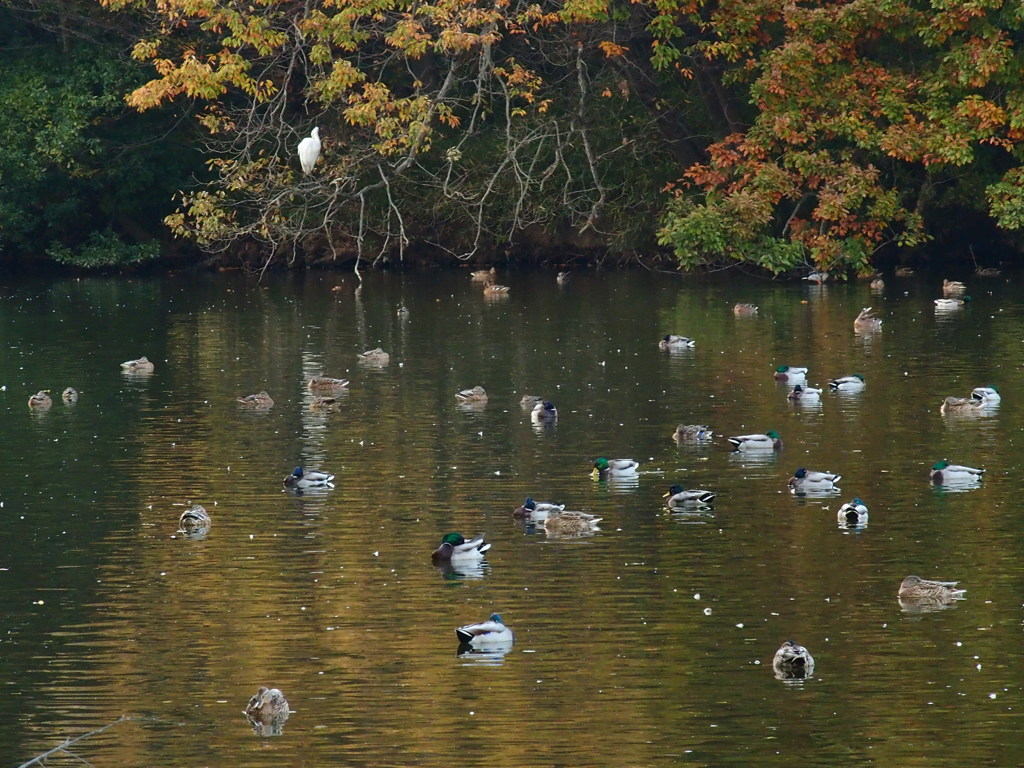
<point>871,116</point>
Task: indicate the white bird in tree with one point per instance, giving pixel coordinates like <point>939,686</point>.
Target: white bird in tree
<point>309,151</point>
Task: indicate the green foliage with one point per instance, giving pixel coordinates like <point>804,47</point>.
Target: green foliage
<point>105,249</point>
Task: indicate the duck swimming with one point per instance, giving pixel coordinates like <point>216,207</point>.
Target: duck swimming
<point>800,393</point>
<point>986,395</point>
<point>40,401</point>
<point>916,588</point>
<point>790,373</point>
<point>142,365</point>
<point>804,481</point>
<point>853,513</point>
<point>326,384</point>
<point>852,383</point>
<point>374,357</point>
<point>569,523</point>
<point>260,401</point>
<point>671,342</point>
<point>606,468</point>
<point>961,406</point>
<point>476,394</point>
<point>454,547</point>
<point>677,497</point>
<point>69,396</point>
<point>769,441</point>
<point>267,707</point>
<point>490,633</point>
<point>944,473</point>
<point>792,661</point>
<point>308,478</point>
<point>544,413</point>
<point>536,510</point>
<point>867,321</point>
<point>194,520</point>
<point>686,433</point>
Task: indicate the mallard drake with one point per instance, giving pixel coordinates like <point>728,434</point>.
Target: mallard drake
<point>792,661</point>
<point>455,547</point>
<point>267,707</point>
<point>677,497</point>
<point>769,441</point>
<point>493,289</point>
<point>69,396</point>
<point>326,384</point>
<point>483,274</point>
<point>744,310</point>
<point>536,510</point>
<point>605,468</point>
<point>569,523</point>
<point>142,365</point>
<point>817,276</point>
<point>40,401</point>
<point>692,433</point>
<point>194,520</point>
<point>544,413</point>
<point>475,395</point>
<point>374,357</point>
<point>260,401</point>
<point>672,342</point>
<point>853,513</point>
<point>961,406</point>
<point>562,278</point>
<point>529,401</point>
<point>867,321</point>
<point>877,285</point>
<point>944,473</point>
<point>916,588</point>
<point>988,272</point>
<point>490,633</point>
<point>308,478</point>
<point>947,304</point>
<point>790,373</point>
<point>953,288</point>
<point>800,393</point>
<point>852,383</point>
<point>323,403</point>
<point>986,395</point>
<point>804,481</point>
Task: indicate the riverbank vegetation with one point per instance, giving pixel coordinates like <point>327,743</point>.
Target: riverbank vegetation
<point>825,134</point>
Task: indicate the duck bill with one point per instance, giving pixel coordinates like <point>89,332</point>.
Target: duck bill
<point>595,473</point>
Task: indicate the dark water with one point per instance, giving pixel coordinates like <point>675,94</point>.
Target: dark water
<point>648,643</point>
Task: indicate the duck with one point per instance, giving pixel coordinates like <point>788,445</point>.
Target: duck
<point>853,513</point>
<point>402,312</point>
<point>454,547</point>
<point>953,288</point>
<point>904,272</point>
<point>877,285</point>
<point>267,707</point>
<point>987,395</point>
<point>944,473</point>
<point>804,480</point>
<point>562,278</point>
<point>692,433</point>
<point>672,342</point>
<point>790,373</point>
<point>476,394</point>
<point>490,633</point>
<point>69,396</point>
<point>606,468</point>
<point>852,383</point>
<point>40,401</point>
<point>961,406</point>
<point>308,478</point>
<point>744,310</point>
<point>323,403</point>
<point>800,393</point>
<point>544,413</point>
<point>483,274</point>
<point>867,321</point>
<point>569,523</point>
<point>769,441</point>
<point>529,401</point>
<point>916,588</point>
<point>988,272</point>
<point>948,304</point>
<point>142,365</point>
<point>326,384</point>
<point>792,661</point>
<point>374,357</point>
<point>260,401</point>
<point>677,497</point>
<point>536,510</point>
<point>817,276</point>
<point>493,289</point>
<point>193,520</point>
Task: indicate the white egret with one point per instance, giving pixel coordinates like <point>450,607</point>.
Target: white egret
<point>309,150</point>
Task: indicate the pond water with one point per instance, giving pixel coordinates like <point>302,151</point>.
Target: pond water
<point>647,643</point>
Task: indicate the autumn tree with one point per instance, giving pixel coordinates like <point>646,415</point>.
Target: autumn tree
<point>871,117</point>
<point>452,123</point>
